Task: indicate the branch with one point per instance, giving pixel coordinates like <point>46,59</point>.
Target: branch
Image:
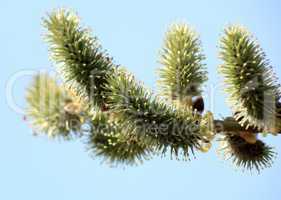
<point>231,125</point>
<point>135,123</point>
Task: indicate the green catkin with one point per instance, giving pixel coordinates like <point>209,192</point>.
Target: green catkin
<point>46,100</point>
<point>183,72</point>
<point>248,156</point>
<point>249,80</point>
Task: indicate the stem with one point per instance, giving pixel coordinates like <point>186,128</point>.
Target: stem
<point>231,125</point>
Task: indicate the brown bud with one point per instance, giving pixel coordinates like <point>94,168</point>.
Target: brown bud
<point>104,108</point>
<point>249,137</point>
<point>198,104</point>
<point>72,108</point>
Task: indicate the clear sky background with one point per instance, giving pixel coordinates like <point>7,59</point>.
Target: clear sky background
<point>33,168</point>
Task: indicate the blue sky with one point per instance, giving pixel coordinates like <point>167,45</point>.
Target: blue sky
<point>36,168</point>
